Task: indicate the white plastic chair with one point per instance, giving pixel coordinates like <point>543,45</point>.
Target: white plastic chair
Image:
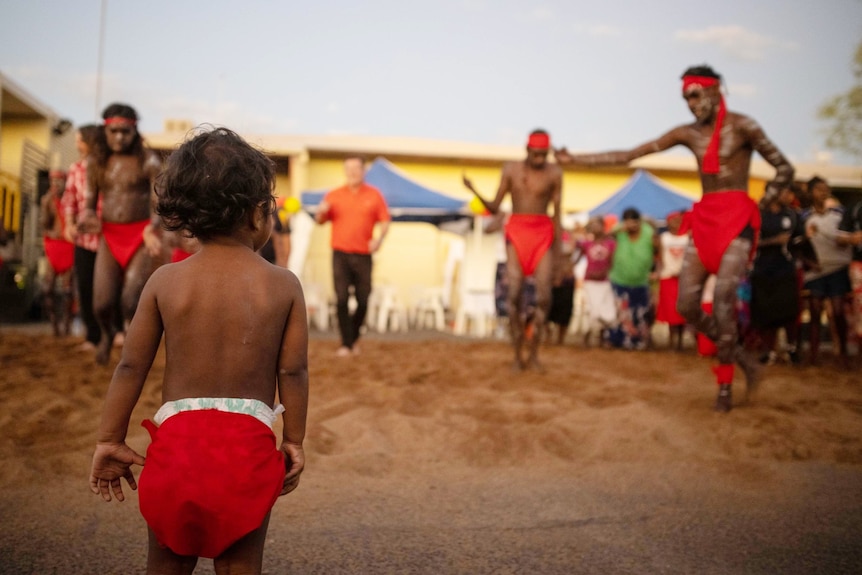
<point>391,314</point>
<point>428,305</point>
<point>476,314</point>
<point>316,306</point>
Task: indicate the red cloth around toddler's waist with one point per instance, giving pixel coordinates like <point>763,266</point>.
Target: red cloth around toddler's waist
<point>210,478</point>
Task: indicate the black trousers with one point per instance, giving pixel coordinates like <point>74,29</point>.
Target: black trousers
<point>351,270</point>
<point>85,265</point>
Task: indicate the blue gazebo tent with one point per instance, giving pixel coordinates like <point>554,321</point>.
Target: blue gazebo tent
<point>648,194</point>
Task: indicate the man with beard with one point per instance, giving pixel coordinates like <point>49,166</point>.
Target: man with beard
<point>725,223</point>
<point>121,175</point>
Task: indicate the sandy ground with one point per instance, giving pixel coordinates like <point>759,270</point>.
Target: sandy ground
<point>426,454</point>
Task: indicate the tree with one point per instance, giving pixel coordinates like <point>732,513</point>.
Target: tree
<point>843,114</point>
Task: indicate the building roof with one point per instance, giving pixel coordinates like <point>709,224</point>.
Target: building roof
<point>396,147</point>
<point>16,102</point>
<point>339,145</point>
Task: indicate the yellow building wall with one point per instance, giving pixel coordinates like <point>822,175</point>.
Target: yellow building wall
<point>13,133</point>
<point>413,255</point>
<point>687,184</point>
<point>756,188</point>
<point>10,201</point>
<point>282,185</point>
<point>324,174</point>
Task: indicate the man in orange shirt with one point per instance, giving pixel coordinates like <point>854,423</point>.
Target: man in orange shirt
<point>353,209</point>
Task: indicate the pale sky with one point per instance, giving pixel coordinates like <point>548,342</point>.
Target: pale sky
<point>597,75</point>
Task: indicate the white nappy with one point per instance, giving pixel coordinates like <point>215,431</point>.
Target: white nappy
<point>253,407</point>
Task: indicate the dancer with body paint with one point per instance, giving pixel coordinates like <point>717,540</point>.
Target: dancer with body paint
<point>121,173</point>
<point>57,295</point>
<point>531,235</point>
<point>724,223</point>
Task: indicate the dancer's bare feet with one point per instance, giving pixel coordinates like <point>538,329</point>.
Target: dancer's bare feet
<point>724,401</point>
<point>534,364</point>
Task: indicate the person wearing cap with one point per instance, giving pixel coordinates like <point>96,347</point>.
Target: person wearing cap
<point>121,175</point>
<point>57,283</point>
<point>532,236</point>
<point>724,223</point>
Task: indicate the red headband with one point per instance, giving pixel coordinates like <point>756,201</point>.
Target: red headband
<point>704,81</point>
<point>119,120</point>
<point>710,157</point>
<point>539,141</point>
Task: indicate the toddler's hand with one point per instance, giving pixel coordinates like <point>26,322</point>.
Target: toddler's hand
<point>111,461</point>
<point>294,462</point>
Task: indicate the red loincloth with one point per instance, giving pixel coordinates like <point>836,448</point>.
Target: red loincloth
<point>60,254</point>
<point>210,479</point>
<point>124,239</point>
<point>532,235</point>
<point>716,220</point>
<point>668,293</point>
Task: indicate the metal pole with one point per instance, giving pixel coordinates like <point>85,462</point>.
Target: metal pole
<point>101,58</point>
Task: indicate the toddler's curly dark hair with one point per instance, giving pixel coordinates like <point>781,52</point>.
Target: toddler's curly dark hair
<point>212,182</point>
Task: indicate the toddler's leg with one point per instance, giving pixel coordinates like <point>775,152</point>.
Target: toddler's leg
<point>245,557</point>
<point>163,561</point>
